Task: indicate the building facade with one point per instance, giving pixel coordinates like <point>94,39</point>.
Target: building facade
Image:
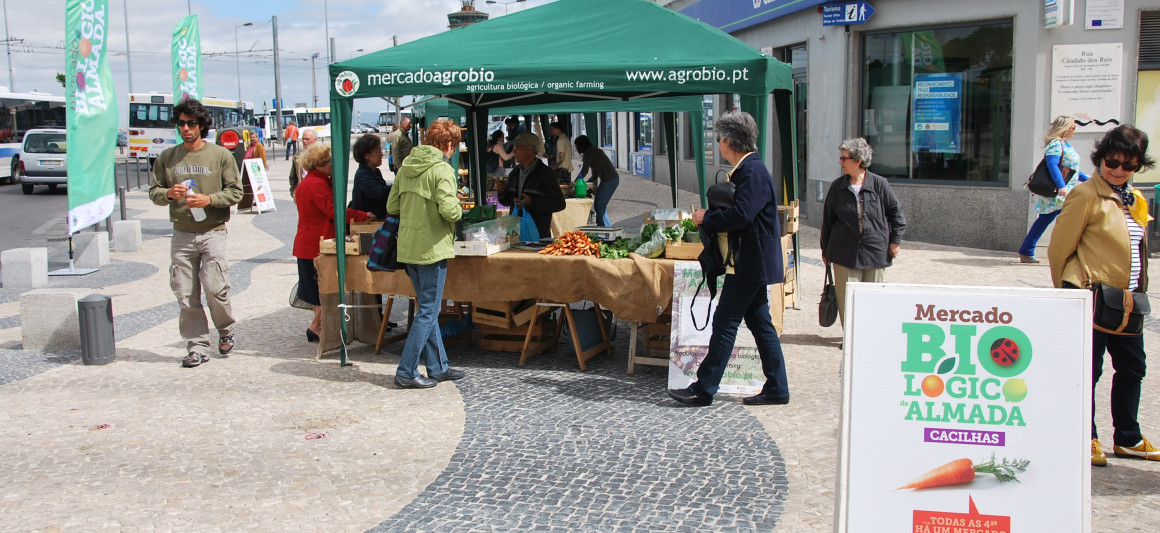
<point>954,97</point>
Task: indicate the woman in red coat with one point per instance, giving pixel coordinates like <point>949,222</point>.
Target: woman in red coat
<point>315,200</point>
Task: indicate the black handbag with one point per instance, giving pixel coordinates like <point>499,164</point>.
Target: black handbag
<point>1040,182</point>
<point>384,255</point>
<point>828,306</point>
<point>1118,311</point>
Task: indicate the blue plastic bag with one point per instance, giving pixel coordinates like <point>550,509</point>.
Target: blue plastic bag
<point>528,230</point>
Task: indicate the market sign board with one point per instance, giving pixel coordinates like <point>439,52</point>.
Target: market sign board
<point>1086,82</point>
<point>965,409</point>
<point>688,345</point>
<point>260,183</point>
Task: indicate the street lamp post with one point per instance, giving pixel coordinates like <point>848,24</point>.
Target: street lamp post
<point>505,4</point>
<point>237,62</point>
<point>314,79</point>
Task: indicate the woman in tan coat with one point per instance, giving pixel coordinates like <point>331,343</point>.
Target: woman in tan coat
<point>1099,237</point>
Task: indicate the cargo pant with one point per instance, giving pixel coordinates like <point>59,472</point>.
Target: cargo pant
<point>199,262</point>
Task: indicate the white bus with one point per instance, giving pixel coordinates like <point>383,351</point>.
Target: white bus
<point>315,118</point>
<point>151,129</point>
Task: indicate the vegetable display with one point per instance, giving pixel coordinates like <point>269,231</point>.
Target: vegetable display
<point>618,249</point>
<point>692,232</point>
<point>572,243</point>
<point>963,470</point>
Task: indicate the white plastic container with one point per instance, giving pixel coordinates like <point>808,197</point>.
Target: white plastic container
<point>197,212</point>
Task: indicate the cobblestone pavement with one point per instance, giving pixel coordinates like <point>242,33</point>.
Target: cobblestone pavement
<point>145,445</point>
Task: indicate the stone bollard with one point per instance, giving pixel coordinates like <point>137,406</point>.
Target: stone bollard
<point>127,235</point>
<point>91,250</point>
<point>24,268</point>
<point>48,319</point>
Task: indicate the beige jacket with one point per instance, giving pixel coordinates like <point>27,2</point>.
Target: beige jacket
<point>1090,242</point>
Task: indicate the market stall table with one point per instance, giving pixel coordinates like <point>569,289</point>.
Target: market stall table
<point>634,289</point>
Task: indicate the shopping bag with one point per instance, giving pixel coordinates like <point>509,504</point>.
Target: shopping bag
<point>1040,182</point>
<point>828,306</point>
<point>384,254</point>
<point>528,230</point>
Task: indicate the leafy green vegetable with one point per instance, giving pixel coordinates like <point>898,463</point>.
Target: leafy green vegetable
<point>674,233</point>
<point>617,249</point>
<point>647,231</point>
<point>688,225</point>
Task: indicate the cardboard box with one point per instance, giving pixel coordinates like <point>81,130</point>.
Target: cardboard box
<point>789,217</point>
<point>480,247</point>
<point>683,250</point>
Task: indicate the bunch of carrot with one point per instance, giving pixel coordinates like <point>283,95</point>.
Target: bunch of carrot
<point>572,243</point>
<point>963,470</point>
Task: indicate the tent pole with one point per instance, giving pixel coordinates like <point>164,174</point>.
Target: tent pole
<point>697,119</point>
<point>340,155</point>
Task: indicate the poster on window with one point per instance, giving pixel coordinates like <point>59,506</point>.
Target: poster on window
<point>938,103</point>
<point>965,409</point>
<point>691,328</point>
<point>1086,82</point>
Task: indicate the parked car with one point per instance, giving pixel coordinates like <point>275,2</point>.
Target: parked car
<point>367,128</point>
<point>43,160</point>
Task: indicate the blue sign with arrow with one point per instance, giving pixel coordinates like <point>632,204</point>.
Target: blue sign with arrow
<point>846,13</point>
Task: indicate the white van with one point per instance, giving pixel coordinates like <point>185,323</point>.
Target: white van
<point>43,160</point>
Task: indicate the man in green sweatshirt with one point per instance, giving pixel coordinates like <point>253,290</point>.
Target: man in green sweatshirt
<point>199,214</point>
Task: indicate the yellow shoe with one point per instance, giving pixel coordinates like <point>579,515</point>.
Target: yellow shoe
<point>1144,450</point>
<point>1098,457</point>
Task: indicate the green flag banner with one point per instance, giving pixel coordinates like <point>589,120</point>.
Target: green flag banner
<point>91,113</point>
<point>186,54</point>
<point>925,50</point>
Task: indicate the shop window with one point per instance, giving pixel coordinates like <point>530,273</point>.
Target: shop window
<point>937,102</point>
<point>606,135</point>
<point>644,131</point>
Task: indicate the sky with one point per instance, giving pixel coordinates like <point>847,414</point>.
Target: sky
<point>35,52</point>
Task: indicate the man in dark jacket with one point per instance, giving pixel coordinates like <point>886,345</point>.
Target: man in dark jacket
<point>532,184</point>
<point>753,228</point>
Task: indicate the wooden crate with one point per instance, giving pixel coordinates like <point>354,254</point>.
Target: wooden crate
<point>683,250</point>
<point>512,339</point>
<point>503,314</point>
<point>327,246</point>
<point>365,227</point>
<point>789,217</point>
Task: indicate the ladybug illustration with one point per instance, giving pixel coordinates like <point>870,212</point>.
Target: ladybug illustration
<point>1005,352</point>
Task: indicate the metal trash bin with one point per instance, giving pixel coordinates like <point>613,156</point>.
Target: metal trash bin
<point>98,345</point>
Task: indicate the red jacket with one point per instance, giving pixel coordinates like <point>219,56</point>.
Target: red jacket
<point>315,200</point>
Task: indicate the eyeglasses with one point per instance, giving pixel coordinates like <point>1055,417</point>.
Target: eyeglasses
<point>1114,164</point>
<point>186,123</point>
<point>844,158</point>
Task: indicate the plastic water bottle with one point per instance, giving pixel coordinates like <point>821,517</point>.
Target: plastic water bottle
<point>197,212</point>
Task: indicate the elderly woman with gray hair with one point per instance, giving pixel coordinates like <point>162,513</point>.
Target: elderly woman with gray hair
<point>751,229</point>
<point>862,222</point>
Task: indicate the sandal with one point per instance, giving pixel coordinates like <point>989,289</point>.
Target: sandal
<point>194,359</point>
<point>226,344</point>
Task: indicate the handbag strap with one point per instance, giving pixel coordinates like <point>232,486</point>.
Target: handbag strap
<point>829,275</point>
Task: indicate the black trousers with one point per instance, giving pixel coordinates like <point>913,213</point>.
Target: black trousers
<point>1128,360</point>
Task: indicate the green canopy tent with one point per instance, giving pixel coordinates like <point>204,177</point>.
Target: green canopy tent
<point>566,51</point>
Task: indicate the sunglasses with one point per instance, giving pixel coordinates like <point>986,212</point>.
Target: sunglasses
<point>186,123</point>
<point>1114,164</point>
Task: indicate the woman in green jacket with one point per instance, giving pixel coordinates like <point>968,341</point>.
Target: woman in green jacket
<point>423,197</point>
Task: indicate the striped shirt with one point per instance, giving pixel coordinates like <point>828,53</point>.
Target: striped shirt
<point>1135,236</point>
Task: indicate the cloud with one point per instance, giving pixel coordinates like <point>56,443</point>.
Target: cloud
<point>37,47</point>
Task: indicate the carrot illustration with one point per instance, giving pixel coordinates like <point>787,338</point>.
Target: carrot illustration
<point>963,470</point>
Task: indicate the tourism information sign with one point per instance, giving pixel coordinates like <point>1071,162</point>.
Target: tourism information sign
<point>965,410</point>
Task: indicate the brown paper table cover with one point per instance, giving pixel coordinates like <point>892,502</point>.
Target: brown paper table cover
<point>636,288</point>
